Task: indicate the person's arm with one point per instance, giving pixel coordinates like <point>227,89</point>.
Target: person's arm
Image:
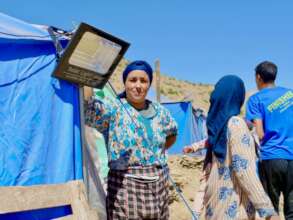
<point>170,128</point>
<point>97,112</point>
<point>242,153</point>
<point>254,114</point>
<point>259,128</point>
<point>196,146</point>
<point>87,93</point>
<point>273,217</point>
<point>170,140</point>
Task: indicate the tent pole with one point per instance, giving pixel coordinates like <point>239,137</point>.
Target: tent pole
<point>83,141</point>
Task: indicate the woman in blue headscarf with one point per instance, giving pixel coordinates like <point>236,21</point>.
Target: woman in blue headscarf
<point>233,189</point>
<point>137,132</point>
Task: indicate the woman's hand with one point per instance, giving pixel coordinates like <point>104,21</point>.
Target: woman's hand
<point>188,150</point>
<point>87,92</point>
<point>195,147</point>
<point>274,217</point>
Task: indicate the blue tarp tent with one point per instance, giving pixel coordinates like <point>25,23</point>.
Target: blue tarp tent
<point>191,122</point>
<point>200,124</point>
<point>40,139</point>
<point>189,129</point>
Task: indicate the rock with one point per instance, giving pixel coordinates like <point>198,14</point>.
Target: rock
<point>191,162</point>
<point>173,197</point>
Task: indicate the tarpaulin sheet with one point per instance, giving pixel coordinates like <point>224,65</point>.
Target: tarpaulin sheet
<point>200,125</point>
<point>182,113</point>
<point>16,31</point>
<point>40,140</point>
<point>192,128</point>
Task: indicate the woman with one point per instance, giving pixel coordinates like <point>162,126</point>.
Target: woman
<point>233,189</point>
<point>198,146</point>
<point>137,132</point>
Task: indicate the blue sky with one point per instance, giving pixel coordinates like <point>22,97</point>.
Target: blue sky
<point>199,41</point>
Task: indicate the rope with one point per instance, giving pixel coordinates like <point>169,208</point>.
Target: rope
<point>58,32</point>
<point>18,35</point>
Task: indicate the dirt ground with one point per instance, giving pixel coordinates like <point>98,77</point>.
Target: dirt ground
<point>185,171</point>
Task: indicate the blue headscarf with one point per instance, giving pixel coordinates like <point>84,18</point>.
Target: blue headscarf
<point>225,102</point>
<point>136,65</point>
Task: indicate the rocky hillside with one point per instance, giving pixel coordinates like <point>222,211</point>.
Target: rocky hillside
<point>173,89</point>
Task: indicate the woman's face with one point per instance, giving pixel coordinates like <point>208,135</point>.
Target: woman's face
<point>136,86</point>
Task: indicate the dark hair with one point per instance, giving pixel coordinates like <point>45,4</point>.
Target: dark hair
<point>267,71</point>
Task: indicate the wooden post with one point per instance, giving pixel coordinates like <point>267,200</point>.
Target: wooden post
<point>158,79</point>
<point>83,141</point>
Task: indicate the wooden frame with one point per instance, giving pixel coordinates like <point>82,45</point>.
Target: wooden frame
<point>24,198</point>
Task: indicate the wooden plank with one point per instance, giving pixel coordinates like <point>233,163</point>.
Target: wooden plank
<point>79,204</point>
<point>67,217</point>
<point>22,198</point>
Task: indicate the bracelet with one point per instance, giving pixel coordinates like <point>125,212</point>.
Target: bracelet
<point>194,147</point>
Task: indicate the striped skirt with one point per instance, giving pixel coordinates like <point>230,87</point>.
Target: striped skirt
<point>136,198</point>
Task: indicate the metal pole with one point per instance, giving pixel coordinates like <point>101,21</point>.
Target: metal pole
<point>83,141</point>
<point>179,192</point>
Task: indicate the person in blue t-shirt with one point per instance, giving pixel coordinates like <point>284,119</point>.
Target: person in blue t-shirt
<point>271,110</point>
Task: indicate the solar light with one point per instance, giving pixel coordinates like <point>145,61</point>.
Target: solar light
<point>90,57</point>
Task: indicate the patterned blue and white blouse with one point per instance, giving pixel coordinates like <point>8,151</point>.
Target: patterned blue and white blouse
<point>233,189</point>
<point>131,138</point>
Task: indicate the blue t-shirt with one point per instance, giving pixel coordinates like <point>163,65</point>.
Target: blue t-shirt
<point>274,106</point>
